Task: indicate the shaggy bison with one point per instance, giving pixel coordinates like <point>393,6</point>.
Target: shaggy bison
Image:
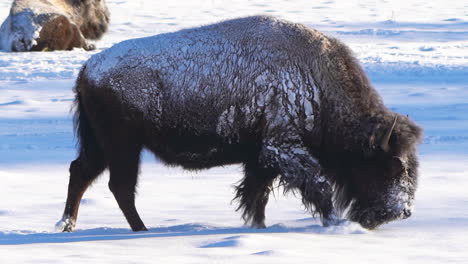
<point>286,101</point>
<point>46,25</point>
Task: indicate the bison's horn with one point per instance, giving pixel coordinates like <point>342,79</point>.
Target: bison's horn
<point>386,138</point>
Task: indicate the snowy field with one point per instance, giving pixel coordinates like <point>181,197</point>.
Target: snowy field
<point>415,52</point>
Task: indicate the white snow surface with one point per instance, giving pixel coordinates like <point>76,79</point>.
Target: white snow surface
<point>416,54</point>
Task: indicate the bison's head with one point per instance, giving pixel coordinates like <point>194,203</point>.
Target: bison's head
<point>378,186</point>
<point>94,16</point>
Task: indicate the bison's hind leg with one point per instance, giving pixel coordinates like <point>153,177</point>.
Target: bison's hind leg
<point>123,168</point>
<point>83,171</point>
<point>253,193</point>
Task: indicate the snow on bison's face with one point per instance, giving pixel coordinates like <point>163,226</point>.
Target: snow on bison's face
<point>382,189</point>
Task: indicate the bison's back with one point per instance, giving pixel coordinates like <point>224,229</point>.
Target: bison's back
<point>252,39</point>
<point>196,76</point>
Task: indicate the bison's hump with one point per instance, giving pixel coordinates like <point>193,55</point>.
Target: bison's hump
<point>193,45</point>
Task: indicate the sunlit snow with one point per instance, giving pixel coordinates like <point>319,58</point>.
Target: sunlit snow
<point>415,53</point>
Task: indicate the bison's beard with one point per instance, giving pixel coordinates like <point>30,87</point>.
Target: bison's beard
<point>376,198</point>
<point>396,204</point>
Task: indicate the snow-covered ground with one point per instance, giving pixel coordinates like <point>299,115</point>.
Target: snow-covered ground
<point>416,53</point>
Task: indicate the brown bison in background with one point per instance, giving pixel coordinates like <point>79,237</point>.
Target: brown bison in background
<point>46,25</point>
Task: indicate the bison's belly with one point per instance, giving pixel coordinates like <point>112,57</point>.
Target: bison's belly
<point>197,151</point>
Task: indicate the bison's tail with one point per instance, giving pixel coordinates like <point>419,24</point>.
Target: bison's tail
<point>87,143</point>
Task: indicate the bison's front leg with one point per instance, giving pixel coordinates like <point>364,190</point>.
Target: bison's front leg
<point>300,171</point>
<point>253,193</point>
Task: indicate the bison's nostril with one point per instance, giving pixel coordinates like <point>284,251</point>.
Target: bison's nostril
<point>407,213</point>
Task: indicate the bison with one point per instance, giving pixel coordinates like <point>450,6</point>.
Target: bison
<point>47,25</point>
<point>285,101</point>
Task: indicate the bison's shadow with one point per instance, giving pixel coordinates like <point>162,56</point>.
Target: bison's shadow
<point>99,234</point>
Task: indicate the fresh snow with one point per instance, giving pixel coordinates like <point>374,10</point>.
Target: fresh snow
<point>416,54</point>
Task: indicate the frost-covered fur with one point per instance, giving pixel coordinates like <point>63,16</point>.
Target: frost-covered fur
<point>286,101</point>
<point>45,25</point>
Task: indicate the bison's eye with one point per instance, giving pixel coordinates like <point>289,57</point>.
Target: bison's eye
<point>376,148</point>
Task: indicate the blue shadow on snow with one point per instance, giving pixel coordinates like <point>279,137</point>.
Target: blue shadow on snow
<point>100,234</point>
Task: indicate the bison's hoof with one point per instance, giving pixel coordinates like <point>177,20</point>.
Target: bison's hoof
<point>140,229</point>
<point>66,224</point>
<point>332,220</point>
<point>258,225</point>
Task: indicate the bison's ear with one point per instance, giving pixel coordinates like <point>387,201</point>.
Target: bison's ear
<point>397,164</point>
